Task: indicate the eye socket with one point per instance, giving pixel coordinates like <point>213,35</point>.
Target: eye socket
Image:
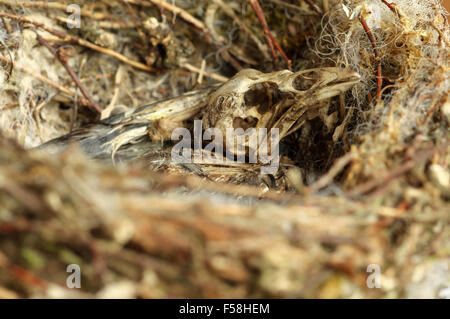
<point>263,96</point>
<point>253,96</point>
<point>305,81</point>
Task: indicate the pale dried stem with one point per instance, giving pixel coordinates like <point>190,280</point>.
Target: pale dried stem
<point>186,16</point>
<point>211,75</point>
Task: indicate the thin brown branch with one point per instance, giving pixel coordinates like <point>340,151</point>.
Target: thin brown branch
<point>271,41</point>
<point>182,13</point>
<point>391,7</point>
<point>92,104</point>
<point>313,6</point>
<point>377,55</point>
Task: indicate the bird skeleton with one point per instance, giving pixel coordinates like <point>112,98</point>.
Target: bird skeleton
<point>251,99</point>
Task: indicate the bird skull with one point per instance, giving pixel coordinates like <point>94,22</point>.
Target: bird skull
<point>252,99</point>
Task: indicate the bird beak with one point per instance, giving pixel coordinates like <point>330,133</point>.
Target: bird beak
<point>336,81</point>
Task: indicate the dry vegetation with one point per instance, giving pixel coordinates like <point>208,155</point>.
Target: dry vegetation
<point>370,187</point>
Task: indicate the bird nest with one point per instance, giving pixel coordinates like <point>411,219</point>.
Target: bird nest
<point>358,208</point>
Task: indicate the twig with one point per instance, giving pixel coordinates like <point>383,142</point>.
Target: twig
<point>377,55</point>
<point>54,5</point>
<point>36,114</point>
<point>334,170</point>
<point>387,177</point>
<point>118,79</point>
<point>174,9</point>
<point>214,76</point>
<point>182,13</point>
<point>202,72</point>
<point>72,39</point>
<point>391,7</point>
<point>313,7</point>
<point>269,37</point>
<point>92,103</point>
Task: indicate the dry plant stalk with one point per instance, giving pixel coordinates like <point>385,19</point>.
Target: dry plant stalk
<point>92,104</point>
